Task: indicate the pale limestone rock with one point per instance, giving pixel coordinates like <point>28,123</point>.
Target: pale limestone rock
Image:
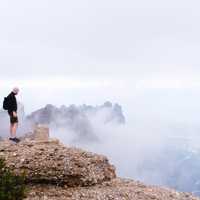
<point>41,133</point>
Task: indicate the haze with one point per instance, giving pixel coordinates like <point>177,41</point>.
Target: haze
<point>143,55</point>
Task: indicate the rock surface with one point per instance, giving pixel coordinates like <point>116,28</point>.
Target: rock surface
<point>40,133</point>
<point>116,189</point>
<point>56,172</point>
<point>51,162</point>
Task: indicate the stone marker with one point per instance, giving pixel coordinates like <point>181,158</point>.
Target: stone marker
<point>41,132</point>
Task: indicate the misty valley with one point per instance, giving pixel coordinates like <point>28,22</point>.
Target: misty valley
<point>174,162</point>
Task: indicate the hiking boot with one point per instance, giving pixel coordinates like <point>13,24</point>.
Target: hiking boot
<point>16,140</point>
<point>12,139</point>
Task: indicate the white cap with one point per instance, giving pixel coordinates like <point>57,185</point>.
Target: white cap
<point>15,90</point>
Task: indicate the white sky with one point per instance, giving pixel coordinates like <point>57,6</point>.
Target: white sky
<point>142,54</point>
<point>112,46</point>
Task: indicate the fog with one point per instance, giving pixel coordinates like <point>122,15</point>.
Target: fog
<point>158,144</point>
<point>143,55</point>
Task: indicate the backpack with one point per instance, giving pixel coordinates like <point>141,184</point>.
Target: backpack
<point>5,103</point>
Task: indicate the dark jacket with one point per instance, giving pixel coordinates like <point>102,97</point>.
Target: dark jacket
<point>12,102</point>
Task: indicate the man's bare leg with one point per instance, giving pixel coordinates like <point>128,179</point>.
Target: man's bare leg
<point>13,130</point>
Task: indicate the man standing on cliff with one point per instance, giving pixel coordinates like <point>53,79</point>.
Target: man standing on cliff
<point>12,111</point>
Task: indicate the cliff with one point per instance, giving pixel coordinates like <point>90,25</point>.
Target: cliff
<point>57,172</point>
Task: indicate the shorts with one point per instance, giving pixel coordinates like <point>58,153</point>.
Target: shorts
<point>13,119</point>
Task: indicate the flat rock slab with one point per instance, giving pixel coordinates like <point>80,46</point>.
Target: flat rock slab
<point>52,163</point>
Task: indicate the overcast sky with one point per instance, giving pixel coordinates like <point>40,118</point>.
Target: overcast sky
<point>105,45</point>
<point>142,54</point>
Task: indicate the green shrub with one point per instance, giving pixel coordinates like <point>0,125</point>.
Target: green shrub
<point>12,187</point>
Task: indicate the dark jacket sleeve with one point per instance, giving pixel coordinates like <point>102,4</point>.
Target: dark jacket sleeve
<point>12,102</point>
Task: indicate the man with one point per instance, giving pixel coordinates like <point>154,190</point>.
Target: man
<point>12,111</point>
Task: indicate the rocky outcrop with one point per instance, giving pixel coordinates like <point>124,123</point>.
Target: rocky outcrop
<point>56,172</point>
<point>81,120</point>
<point>40,132</point>
<point>116,189</point>
<point>52,163</point>
<point>64,115</point>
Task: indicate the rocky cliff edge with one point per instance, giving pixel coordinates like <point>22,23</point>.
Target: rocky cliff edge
<point>57,172</point>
